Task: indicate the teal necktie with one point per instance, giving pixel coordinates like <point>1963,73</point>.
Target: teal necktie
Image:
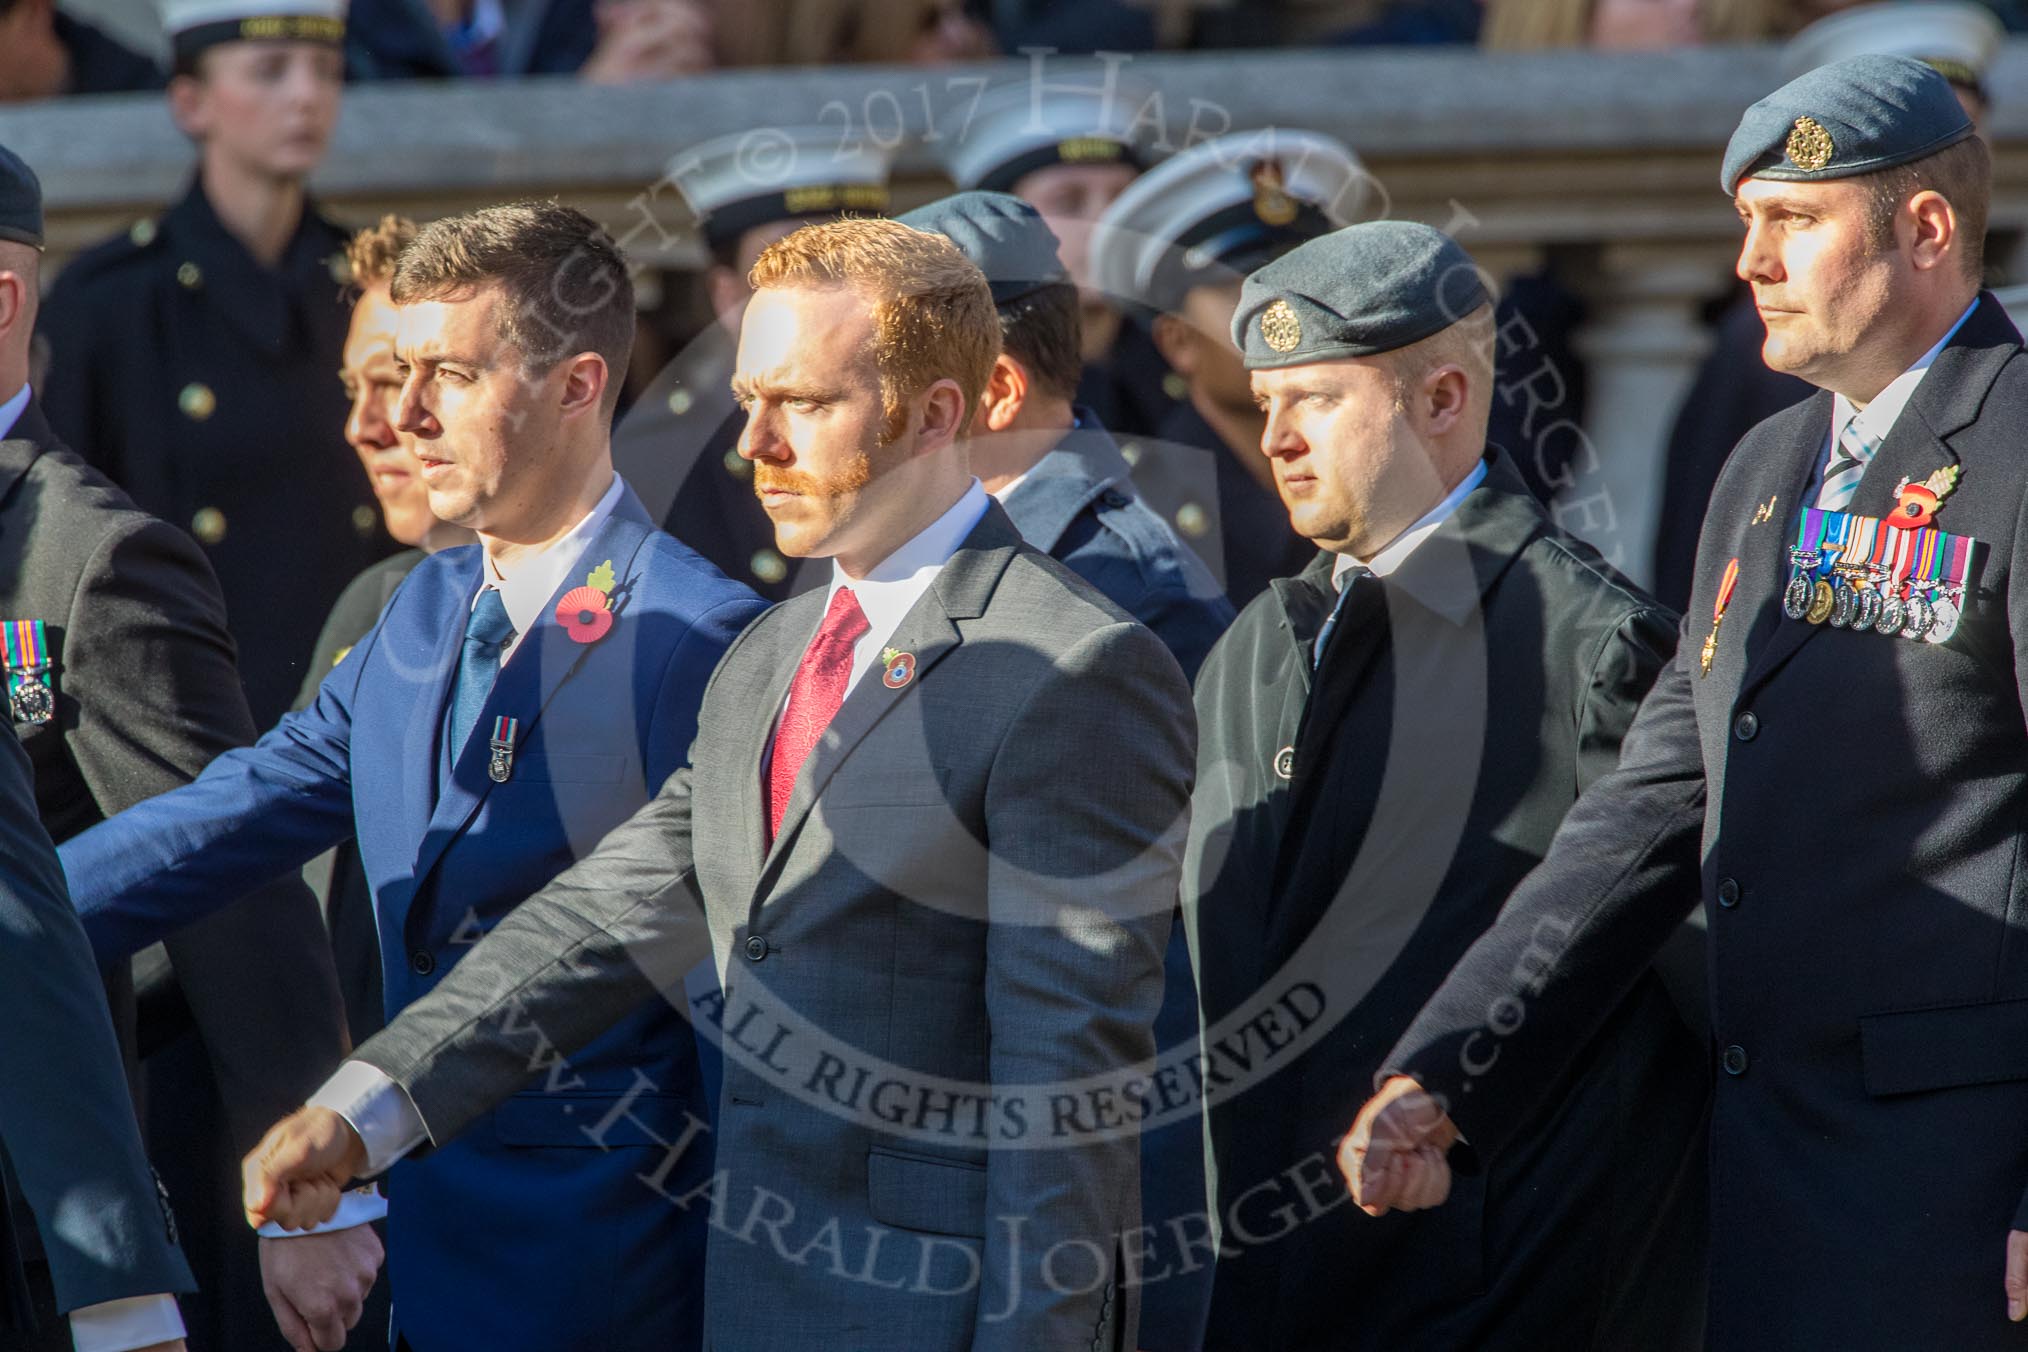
<point>487,634</point>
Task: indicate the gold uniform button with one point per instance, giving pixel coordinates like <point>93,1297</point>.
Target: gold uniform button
<point>197,401</point>
<point>1192,520</point>
<point>364,519</point>
<point>190,276</point>
<point>142,233</point>
<point>208,525</point>
<point>680,401</point>
<point>1131,453</point>
<point>768,566</point>
<point>737,465</point>
<point>1176,387</point>
<point>341,269</point>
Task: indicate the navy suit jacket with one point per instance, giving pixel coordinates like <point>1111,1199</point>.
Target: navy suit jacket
<point>543,1198</point>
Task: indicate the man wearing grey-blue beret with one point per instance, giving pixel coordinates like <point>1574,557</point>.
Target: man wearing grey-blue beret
<point>1835,764</point>
<point>1387,743</point>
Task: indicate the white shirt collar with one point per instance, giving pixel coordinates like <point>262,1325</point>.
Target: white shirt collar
<point>1392,557</point>
<point>11,411</point>
<point>1877,419</point>
<point>892,587</point>
<point>526,584</point>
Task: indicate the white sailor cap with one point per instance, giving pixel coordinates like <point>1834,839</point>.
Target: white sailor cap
<point>193,25</point>
<point>1215,212</point>
<point>1018,128</point>
<point>1958,37</point>
<point>735,182</point>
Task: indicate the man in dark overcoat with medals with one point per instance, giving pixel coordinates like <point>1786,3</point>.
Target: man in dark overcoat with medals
<point>1836,764</point>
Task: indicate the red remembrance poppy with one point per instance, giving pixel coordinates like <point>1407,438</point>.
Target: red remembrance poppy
<point>585,614</point>
<point>1916,509</point>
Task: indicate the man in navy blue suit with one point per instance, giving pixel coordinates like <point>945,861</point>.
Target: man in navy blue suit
<point>517,699</point>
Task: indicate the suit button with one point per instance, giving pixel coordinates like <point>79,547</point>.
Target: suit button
<point>1734,1060</point>
<point>756,948</point>
<point>1746,727</point>
<point>423,963</point>
<point>1114,499</point>
<point>1728,892</point>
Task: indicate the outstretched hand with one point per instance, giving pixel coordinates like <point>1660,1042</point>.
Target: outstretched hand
<point>1394,1158</point>
<point>298,1172</point>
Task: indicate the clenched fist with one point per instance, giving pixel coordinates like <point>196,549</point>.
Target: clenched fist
<point>296,1175</point>
<point>1394,1156</point>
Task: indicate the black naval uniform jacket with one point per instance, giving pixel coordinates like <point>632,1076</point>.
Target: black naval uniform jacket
<point>205,385</point>
<point>1352,833</point>
<point>1851,809</point>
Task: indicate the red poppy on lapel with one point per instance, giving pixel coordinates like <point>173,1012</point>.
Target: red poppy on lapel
<point>585,614</point>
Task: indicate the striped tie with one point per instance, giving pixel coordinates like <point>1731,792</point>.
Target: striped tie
<point>1848,463</point>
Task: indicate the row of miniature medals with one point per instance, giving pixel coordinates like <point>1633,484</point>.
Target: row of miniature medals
<point>1897,575</point>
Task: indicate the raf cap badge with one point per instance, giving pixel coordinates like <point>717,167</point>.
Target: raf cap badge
<point>1809,146</point>
<point>1280,329</point>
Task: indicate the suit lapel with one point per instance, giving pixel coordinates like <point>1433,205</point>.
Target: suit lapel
<point>1946,401</point>
<point>769,669</point>
<point>930,632</point>
<point>546,658</point>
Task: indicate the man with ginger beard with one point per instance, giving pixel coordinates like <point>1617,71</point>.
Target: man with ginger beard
<point>899,838</point>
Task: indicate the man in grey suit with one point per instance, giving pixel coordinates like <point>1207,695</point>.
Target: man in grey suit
<point>937,915</point>
<point>107,1235</point>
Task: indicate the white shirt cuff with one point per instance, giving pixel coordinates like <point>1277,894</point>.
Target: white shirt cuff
<point>123,1325</point>
<point>377,1108</point>
<point>357,1207</point>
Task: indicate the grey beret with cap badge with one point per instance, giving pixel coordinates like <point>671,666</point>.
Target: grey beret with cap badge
<point>1356,292</point>
<point>1852,117</point>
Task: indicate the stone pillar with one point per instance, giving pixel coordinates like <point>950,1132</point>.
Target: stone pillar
<point>1641,345</point>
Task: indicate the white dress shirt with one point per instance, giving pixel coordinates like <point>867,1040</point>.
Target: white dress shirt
<point>1398,550</point>
<point>136,1321</point>
<point>379,1109</point>
<point>891,587</point>
<point>526,586</point>
<point>1877,419</point>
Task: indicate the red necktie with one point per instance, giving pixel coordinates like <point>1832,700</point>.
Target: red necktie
<point>814,697</point>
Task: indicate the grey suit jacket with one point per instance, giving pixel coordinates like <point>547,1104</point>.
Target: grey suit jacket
<point>64,1112</point>
<point>930,979</point>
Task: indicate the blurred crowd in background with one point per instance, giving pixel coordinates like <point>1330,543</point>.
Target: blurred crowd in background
<point>49,49</point>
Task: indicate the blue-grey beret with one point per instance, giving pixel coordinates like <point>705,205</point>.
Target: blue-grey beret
<point>1356,292</point>
<point>20,200</point>
<point>1003,235</point>
<point>1851,117</point>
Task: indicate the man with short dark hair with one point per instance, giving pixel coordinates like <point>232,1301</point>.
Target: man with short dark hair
<point>932,821</point>
<point>1835,763</point>
<point>517,699</point>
